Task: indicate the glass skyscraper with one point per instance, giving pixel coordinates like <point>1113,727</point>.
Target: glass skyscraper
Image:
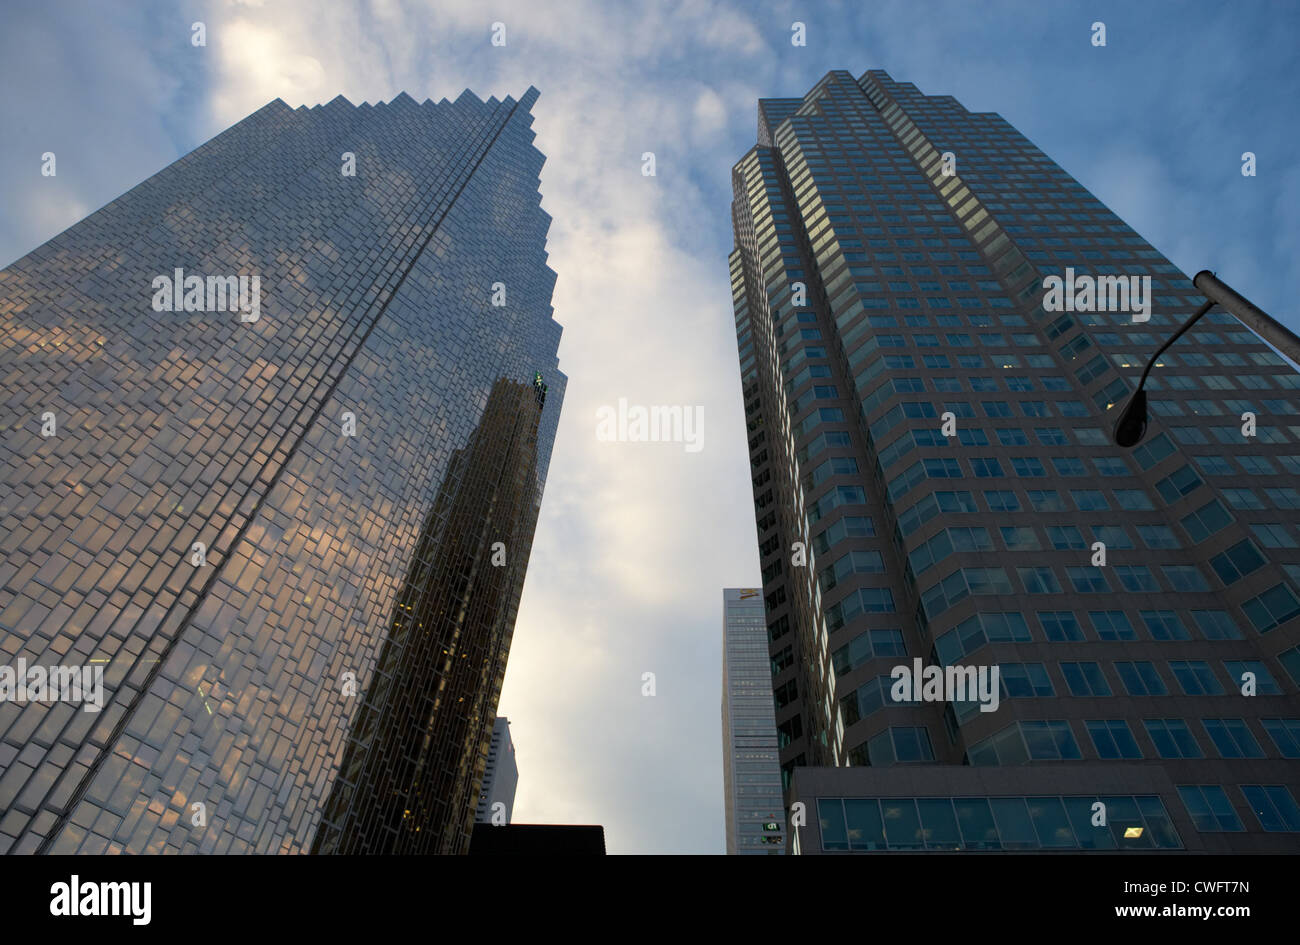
<point>287,520</point>
<point>935,486</point>
<point>751,766</point>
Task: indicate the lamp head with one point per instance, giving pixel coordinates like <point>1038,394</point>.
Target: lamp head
<point>1131,424</point>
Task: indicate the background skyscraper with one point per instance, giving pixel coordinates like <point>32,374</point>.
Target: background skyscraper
<point>750,762</point>
<point>500,774</point>
<point>410,298</point>
<point>891,251</point>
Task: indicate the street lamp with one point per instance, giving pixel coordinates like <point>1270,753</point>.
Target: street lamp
<point>1131,424</point>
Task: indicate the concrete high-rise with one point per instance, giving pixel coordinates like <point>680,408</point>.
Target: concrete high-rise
<point>934,338</point>
<point>276,427</point>
<point>500,776</point>
<point>751,766</point>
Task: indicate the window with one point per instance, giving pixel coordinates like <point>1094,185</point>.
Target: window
<point>1285,734</point>
<point>1153,451</point>
<point>1069,466</point>
<point>900,745</point>
<point>1177,484</point>
<point>1087,580</point>
<point>850,526</point>
<point>1025,681</point>
<point>1273,535</point>
<point>1172,738</point>
<point>1047,740</point>
<point>1158,536</point>
<point>1196,678</point>
<point>1112,738</point>
<point>1271,609</point>
<point>1060,626</point>
<point>1214,465</point>
<point>1136,578</point>
<point>1290,660</point>
<point>1028,467</point>
<point>873,695</point>
<point>1284,498</point>
<point>1019,539</point>
<point>1244,672</point>
<point>1216,625</point>
<point>1140,678</point>
<point>1232,738</point>
<point>1133,500</point>
<point>1236,562</point>
<point>855,562</point>
<point>1243,499</point>
<point>1002,500</point>
<point>1065,538</point>
<point>1113,537</point>
<point>1112,625</point>
<point>1164,625</point>
<point>1089,500</point>
<point>1209,808</point>
<point>1206,521</point>
<point>1045,500</point>
<point>871,644</point>
<point>941,468</point>
<point>1273,806</point>
<point>1085,679</point>
<point>1039,580</point>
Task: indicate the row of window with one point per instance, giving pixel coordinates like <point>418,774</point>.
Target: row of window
<point>1079,822</point>
<point>1053,740</point>
<point>1131,822</point>
<point>1265,611</point>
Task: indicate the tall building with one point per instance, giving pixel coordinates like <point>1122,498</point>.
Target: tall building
<point>755,822</point>
<point>500,775</point>
<point>934,483</point>
<point>285,509</point>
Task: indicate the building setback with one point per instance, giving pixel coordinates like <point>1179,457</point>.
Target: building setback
<point>294,542</point>
<point>751,765</point>
<point>934,479</point>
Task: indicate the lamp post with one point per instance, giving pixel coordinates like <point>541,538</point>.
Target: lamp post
<point>1131,424</point>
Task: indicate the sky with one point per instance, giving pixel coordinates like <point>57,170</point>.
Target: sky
<point>636,540</point>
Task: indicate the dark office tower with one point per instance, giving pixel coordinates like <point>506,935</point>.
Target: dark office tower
<point>414,757</point>
<point>930,418</point>
<point>289,527</point>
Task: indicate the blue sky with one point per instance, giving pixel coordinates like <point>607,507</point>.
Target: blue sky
<point>636,540</point>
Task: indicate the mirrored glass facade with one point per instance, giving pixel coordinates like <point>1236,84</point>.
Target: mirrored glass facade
<point>293,543</point>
